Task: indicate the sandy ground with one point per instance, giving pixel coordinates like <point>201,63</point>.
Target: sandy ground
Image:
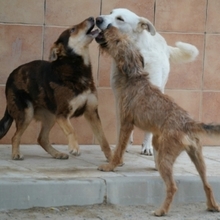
<point>110,212</point>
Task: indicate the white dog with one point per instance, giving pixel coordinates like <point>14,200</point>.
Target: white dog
<point>154,49</point>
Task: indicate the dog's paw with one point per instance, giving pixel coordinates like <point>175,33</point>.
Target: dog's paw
<point>61,156</point>
<point>75,152</point>
<point>130,143</point>
<point>147,150</point>
<point>17,157</point>
<point>121,163</point>
<point>159,212</point>
<point>215,208</point>
<point>106,167</point>
<point>108,156</point>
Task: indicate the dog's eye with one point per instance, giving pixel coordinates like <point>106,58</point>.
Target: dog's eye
<point>120,19</point>
<point>72,30</point>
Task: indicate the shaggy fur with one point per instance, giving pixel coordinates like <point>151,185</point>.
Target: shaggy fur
<point>54,92</point>
<point>156,54</point>
<point>143,105</point>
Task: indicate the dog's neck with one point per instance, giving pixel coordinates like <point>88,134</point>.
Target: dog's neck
<point>84,53</point>
<point>125,69</point>
<point>128,59</point>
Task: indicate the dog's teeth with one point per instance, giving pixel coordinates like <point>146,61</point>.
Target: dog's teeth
<point>94,33</point>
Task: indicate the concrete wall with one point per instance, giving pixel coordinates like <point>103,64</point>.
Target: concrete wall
<point>29,27</point>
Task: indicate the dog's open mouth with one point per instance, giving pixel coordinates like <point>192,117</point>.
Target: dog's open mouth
<point>100,39</point>
<point>92,33</point>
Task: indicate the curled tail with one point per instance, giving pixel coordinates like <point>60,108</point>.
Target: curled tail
<point>183,53</point>
<point>5,124</point>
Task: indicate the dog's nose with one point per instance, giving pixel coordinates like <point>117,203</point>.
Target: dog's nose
<point>91,19</point>
<point>99,20</point>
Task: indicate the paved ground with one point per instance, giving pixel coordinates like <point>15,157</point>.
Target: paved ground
<point>41,181</point>
<point>38,164</point>
<point>111,212</point>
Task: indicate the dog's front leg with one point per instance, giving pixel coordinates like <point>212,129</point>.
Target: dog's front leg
<point>124,134</point>
<point>92,117</point>
<point>67,128</point>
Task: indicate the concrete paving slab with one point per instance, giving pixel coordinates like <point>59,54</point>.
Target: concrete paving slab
<point>28,193</point>
<point>140,190</point>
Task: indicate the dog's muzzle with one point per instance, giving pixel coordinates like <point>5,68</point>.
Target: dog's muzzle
<point>99,21</point>
<point>100,39</point>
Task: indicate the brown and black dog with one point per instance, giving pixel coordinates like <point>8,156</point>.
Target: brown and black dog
<point>143,105</point>
<point>55,91</point>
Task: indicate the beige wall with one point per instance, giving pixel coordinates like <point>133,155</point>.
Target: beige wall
<point>29,27</point>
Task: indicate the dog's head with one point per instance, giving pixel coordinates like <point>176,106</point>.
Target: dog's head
<point>118,45</point>
<point>126,21</point>
<point>74,40</point>
<point>110,38</point>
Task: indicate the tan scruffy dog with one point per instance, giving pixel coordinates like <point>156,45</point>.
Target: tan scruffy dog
<point>143,105</point>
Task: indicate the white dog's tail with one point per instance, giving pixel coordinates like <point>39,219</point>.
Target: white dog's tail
<point>183,53</point>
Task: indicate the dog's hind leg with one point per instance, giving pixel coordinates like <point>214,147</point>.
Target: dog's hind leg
<point>131,140</point>
<point>22,121</point>
<point>47,122</point>
<point>155,144</point>
<point>195,153</point>
<point>67,128</point>
<point>147,148</point>
<point>125,132</point>
<point>167,153</point>
<point>92,117</point>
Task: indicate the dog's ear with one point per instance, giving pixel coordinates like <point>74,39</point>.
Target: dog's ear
<point>145,24</point>
<point>54,51</point>
<point>57,50</point>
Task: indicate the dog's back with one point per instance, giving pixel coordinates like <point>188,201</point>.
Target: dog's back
<point>44,84</point>
<point>141,101</point>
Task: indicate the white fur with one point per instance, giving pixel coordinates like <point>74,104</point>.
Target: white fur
<point>78,101</point>
<point>154,49</point>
